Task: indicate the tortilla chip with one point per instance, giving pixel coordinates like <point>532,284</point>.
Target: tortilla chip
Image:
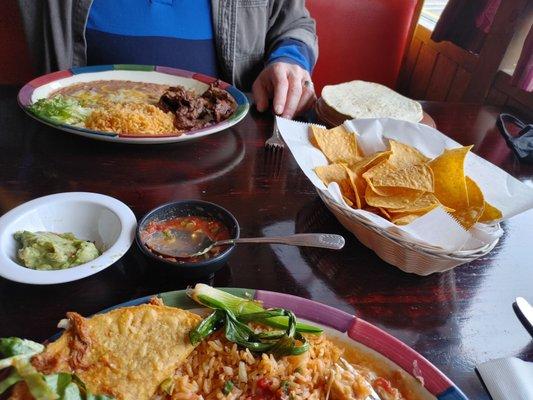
<point>401,199</point>
<point>337,144</point>
<point>475,195</point>
<point>358,186</point>
<point>405,219</point>
<point>490,213</point>
<point>384,212</point>
<point>348,201</point>
<point>400,156</point>
<point>368,162</point>
<point>356,170</point>
<point>425,203</point>
<point>469,215</point>
<point>371,209</point>
<point>337,173</point>
<point>312,139</point>
<point>404,155</point>
<point>417,177</point>
<point>450,182</point>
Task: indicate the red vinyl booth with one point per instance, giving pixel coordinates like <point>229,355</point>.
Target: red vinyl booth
<point>362,39</point>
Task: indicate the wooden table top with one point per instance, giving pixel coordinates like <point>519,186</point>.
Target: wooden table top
<point>455,319</point>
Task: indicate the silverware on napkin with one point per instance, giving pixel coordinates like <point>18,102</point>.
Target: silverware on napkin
<point>507,378</point>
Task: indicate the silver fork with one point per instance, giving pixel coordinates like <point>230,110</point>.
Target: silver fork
<point>275,142</point>
<point>344,365</point>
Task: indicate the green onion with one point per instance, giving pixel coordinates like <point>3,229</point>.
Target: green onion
<point>218,299</point>
<point>228,387</point>
<point>207,327</point>
<point>234,313</point>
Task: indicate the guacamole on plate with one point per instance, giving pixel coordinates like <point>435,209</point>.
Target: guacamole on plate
<point>48,250</point>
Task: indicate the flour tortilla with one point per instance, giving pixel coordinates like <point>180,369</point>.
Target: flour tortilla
<point>359,99</point>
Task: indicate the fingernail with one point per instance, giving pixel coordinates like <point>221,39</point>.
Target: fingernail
<point>278,109</point>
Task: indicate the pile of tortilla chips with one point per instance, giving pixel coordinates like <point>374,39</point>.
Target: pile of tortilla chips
<point>401,184</point>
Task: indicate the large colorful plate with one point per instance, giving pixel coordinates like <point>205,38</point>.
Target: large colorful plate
<point>351,330</point>
<point>41,87</point>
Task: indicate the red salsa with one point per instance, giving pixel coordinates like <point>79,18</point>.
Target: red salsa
<point>211,227</point>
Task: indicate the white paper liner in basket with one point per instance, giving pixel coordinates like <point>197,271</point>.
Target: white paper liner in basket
<point>407,256</point>
<point>410,247</point>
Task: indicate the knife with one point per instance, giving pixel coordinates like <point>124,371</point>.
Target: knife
<point>524,312</point>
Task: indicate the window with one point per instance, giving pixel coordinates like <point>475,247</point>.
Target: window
<point>523,25</point>
<point>431,12</point>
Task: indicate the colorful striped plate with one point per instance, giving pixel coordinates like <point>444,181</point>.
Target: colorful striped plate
<point>42,86</point>
<point>427,381</point>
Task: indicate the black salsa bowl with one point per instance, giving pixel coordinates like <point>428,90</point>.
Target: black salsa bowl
<point>188,208</point>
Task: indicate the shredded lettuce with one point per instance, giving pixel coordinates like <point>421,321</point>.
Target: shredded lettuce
<point>61,386</point>
<point>37,384</point>
<point>65,110</point>
<point>9,381</point>
<point>13,348</point>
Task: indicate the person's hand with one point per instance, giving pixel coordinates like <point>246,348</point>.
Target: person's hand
<point>289,85</point>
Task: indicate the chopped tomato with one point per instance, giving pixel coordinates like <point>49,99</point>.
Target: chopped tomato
<point>265,391</point>
<point>263,383</point>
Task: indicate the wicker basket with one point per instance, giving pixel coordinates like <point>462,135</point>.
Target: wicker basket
<point>409,257</point>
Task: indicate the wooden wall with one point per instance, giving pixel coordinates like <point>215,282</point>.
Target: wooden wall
<point>445,72</point>
<point>502,93</point>
<point>435,71</point>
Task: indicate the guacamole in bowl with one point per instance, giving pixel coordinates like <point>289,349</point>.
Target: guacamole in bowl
<point>49,251</point>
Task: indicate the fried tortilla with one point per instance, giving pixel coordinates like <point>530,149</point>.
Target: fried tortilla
<point>124,353</point>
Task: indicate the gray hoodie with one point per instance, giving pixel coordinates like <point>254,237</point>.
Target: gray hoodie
<point>246,31</point>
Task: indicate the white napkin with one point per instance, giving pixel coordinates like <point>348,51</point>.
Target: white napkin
<point>436,228</point>
<point>508,378</point>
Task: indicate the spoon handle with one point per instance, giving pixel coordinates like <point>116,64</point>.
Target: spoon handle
<point>325,240</point>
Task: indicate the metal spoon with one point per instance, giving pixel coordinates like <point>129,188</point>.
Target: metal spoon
<point>185,244</point>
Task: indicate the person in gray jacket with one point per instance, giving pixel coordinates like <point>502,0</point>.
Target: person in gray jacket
<point>267,46</point>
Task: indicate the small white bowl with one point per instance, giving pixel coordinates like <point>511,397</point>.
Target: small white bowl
<point>106,221</point>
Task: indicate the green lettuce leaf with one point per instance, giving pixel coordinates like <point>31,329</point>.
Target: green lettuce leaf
<point>13,348</point>
<point>9,381</point>
<point>37,384</point>
<point>61,386</point>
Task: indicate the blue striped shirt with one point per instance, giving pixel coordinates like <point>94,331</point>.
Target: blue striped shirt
<point>173,33</point>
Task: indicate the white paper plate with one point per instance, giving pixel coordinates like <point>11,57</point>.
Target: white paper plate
<point>102,219</point>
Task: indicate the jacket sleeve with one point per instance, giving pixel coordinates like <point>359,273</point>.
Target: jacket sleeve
<point>54,32</point>
<point>32,15</point>
<point>291,20</point>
